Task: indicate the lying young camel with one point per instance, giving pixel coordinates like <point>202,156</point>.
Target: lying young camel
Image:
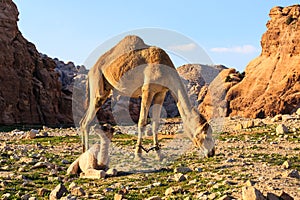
<point>149,73</point>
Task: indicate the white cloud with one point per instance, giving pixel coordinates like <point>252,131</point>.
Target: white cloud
<point>245,49</point>
<point>183,47</point>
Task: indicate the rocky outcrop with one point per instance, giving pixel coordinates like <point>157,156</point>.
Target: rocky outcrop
<point>195,76</point>
<point>212,98</point>
<point>30,92</point>
<point>272,80</point>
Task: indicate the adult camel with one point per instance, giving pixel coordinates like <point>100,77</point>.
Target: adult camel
<point>135,69</point>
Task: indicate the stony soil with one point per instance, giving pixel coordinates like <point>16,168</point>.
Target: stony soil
<point>32,168</point>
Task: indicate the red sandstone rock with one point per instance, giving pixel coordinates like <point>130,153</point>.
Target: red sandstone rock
<point>272,80</point>
<point>30,92</point>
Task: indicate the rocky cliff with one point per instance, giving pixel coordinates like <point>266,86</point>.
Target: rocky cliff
<point>30,90</point>
<point>272,80</point>
<point>212,97</point>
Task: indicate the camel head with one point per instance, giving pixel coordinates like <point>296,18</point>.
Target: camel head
<point>203,140</point>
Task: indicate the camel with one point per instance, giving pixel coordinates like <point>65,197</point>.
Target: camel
<point>136,70</point>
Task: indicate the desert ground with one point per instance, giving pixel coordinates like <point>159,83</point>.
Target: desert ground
<point>248,152</point>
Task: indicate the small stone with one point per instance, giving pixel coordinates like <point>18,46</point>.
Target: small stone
<point>31,134</point>
<point>154,198</point>
<point>51,178</point>
<point>93,174</point>
<point>198,169</point>
<point>69,197</point>
<point>292,174</point>
<point>230,160</point>
<point>286,165</point>
<point>43,191</point>
<point>179,177</point>
<point>3,184</point>
<point>77,191</point>
<point>97,196</point>
<point>212,196</point>
<point>251,193</point>
<point>72,185</point>
<point>183,170</point>
<point>65,162</point>
<point>281,129</point>
<point>118,197</point>
<point>53,172</point>
<point>259,123</point>
<point>202,195</point>
<point>173,190</point>
<point>58,192</point>
<point>111,172</point>
<point>226,182</point>
<point>5,168</point>
<point>277,118</point>
<point>21,169</point>
<point>285,196</point>
<point>157,184</point>
<point>25,197</point>
<point>106,190</point>
<point>194,181</point>
<point>27,160</point>
<point>42,165</point>
<point>298,111</point>
<point>20,177</point>
<point>6,196</point>
<point>44,134</point>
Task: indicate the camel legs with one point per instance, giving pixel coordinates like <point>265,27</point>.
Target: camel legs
<point>158,101</point>
<point>147,97</point>
<point>94,105</point>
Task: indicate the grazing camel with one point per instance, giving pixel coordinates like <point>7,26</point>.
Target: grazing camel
<point>137,70</point>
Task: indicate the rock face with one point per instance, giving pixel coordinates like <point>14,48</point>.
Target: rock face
<point>272,80</point>
<point>195,76</point>
<point>212,98</point>
<point>30,92</point>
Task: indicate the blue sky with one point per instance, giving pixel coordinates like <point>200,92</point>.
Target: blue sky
<point>229,31</point>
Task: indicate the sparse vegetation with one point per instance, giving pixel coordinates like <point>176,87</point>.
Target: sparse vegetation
<point>249,154</point>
